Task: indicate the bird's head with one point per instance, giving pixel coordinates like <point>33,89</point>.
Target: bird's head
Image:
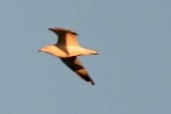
<point>44,49</point>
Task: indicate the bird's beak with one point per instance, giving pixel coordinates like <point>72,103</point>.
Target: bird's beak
<point>40,50</point>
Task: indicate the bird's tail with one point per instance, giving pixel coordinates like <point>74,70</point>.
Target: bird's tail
<point>90,52</point>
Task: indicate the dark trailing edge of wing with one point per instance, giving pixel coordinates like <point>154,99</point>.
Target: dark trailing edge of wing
<point>75,65</point>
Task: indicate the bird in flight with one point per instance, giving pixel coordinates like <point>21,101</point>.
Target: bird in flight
<point>67,49</point>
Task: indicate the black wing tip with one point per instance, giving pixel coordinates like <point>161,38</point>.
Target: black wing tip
<point>91,83</point>
<point>62,29</point>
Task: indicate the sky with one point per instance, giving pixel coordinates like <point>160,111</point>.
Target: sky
<point>132,71</point>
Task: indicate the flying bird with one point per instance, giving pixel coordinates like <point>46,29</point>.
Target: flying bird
<point>67,49</point>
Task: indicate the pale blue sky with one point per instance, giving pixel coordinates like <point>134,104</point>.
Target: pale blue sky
<point>132,71</point>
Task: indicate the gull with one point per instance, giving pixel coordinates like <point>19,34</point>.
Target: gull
<point>67,49</point>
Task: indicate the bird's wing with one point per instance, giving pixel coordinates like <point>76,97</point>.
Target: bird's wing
<point>75,65</point>
<point>65,37</point>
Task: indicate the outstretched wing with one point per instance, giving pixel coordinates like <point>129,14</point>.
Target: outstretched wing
<point>75,65</point>
<point>65,37</point>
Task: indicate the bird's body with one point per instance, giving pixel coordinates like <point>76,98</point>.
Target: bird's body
<point>67,49</point>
